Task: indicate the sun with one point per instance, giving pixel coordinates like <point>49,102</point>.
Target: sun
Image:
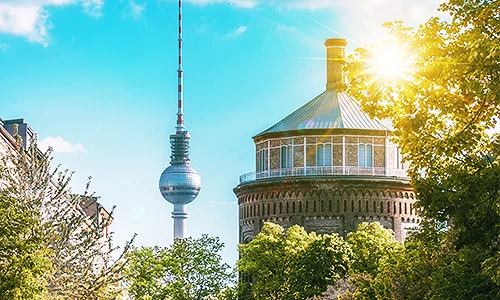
<point>391,61</point>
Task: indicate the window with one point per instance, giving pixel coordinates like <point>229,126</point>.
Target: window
<point>365,155</point>
<point>262,161</point>
<point>286,157</point>
<point>324,155</point>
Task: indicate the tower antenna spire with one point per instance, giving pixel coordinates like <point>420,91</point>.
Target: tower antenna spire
<point>180,184</point>
<point>180,72</point>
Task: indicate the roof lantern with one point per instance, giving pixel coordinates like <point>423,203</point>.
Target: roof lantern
<point>331,109</point>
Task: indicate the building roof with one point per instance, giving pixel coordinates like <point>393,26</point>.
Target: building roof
<point>330,110</point>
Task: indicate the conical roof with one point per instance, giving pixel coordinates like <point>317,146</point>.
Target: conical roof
<point>330,110</point>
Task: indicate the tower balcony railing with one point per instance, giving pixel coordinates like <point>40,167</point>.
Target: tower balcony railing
<point>324,171</point>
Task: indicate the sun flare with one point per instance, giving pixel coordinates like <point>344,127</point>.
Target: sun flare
<point>391,61</point>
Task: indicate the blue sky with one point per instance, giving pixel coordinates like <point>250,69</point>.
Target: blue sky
<point>97,80</point>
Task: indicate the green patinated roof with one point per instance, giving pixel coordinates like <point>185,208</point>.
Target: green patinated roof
<point>330,110</point>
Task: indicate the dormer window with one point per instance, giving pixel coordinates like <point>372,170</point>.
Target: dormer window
<point>324,155</point>
<point>365,155</point>
<point>286,157</point>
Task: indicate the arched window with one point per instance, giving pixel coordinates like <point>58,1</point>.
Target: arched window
<point>286,157</point>
<point>324,155</point>
<point>365,155</point>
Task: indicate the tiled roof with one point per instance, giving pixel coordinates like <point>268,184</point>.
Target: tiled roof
<point>330,110</point>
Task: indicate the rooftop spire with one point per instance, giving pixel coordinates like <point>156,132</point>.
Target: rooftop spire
<point>335,59</point>
<point>180,113</point>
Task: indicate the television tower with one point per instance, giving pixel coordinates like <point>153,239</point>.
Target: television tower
<point>180,184</point>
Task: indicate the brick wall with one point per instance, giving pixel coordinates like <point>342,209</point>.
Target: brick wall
<point>327,206</point>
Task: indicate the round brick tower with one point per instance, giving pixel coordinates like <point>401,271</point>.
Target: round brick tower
<point>327,167</point>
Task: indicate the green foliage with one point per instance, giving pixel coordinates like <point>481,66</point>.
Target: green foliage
<point>442,111</point>
<point>189,269</point>
<point>24,259</point>
<point>431,268</point>
<point>48,246</point>
<point>292,264</point>
<point>370,245</point>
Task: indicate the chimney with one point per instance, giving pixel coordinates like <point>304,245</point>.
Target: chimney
<point>335,59</point>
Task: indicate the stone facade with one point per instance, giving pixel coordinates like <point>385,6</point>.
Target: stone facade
<point>335,202</point>
<point>327,205</point>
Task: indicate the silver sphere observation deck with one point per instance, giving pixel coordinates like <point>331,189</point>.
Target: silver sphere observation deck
<point>179,183</point>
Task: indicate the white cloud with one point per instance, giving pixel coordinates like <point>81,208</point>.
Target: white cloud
<point>237,31</point>
<point>92,7</point>
<point>30,19</point>
<point>135,10</point>
<point>363,18</point>
<point>59,145</point>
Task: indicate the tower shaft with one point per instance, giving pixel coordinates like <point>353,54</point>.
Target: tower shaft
<point>180,216</point>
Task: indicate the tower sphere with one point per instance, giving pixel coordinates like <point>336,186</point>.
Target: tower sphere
<point>180,184</point>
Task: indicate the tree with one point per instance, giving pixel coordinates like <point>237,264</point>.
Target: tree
<point>189,269</point>
<point>430,267</point>
<point>442,110</point>
<point>292,264</point>
<point>24,259</point>
<point>79,254</point>
<point>372,246</point>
